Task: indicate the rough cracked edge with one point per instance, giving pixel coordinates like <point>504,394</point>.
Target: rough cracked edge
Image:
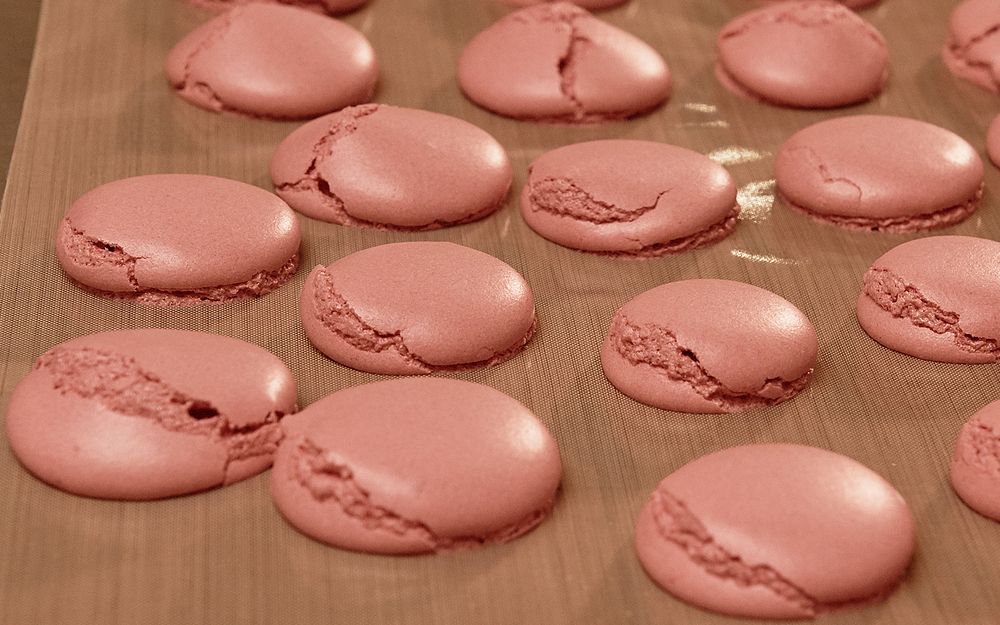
<point>563,197</point>
<point>327,477</point>
<point>979,447</point>
<point>119,384</point>
<point>902,300</point>
<point>956,53</point>
<point>675,523</point>
<point>658,348</point>
<point>801,15</point>
<point>335,313</point>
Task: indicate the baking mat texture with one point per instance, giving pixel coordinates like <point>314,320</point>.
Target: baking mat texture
<point>98,108</point>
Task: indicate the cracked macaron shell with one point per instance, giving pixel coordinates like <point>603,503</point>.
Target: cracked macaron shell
<point>392,167</point>
<point>815,54</point>
<point>957,275</point>
<point>747,338</point>
<point>880,170</point>
<point>975,465</point>
<point>556,62</point>
<point>648,194</point>
<point>177,232</point>
<point>82,444</point>
<point>416,307</point>
<point>827,529</point>
<point>440,464</point>
<point>273,61</point>
<point>972,51</point>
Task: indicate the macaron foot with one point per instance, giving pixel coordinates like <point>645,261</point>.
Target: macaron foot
<point>895,296</point>
<point>928,221</point>
<point>326,477</point>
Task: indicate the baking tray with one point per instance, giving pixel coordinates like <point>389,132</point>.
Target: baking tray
<point>98,108</point>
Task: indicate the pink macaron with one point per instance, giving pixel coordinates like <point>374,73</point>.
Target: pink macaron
<point>179,239</point>
<point>332,7</point>
<point>935,298</point>
<point>993,141</point>
<point>146,414</point>
<point>590,5</point>
<point>419,307</point>
<point>775,531</point>
<point>882,173</point>
<point>629,198</point>
<point>975,466</point>
<point>815,54</point>
<point>391,167</point>
<point>273,61</point>
<point>709,346</point>
<point>851,4</point>
<point>972,51</point>
<point>556,62</point>
<point>415,465</point>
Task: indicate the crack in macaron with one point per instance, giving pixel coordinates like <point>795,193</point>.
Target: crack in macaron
<point>804,14</point>
<point>677,524</point>
<point>903,300</point>
<point>562,196</point>
<point>336,314</point>
<point>969,51</point>
<point>187,85</point>
<point>657,347</point>
<point>328,477</point>
<point>979,446</point>
<point>121,385</point>
<point>567,63</point>
<point>93,252</point>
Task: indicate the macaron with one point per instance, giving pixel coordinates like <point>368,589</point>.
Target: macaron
<point>590,5</point>
<point>935,298</point>
<point>630,198</point>
<point>415,465</point>
<point>873,172</point>
<point>178,239</point>
<point>972,51</point>
<point>555,62</point>
<point>332,7</point>
<point>418,307</point>
<point>146,414</point>
<point>975,466</point>
<point>273,61</point>
<point>391,167</point>
<point>851,4</point>
<point>709,346</point>
<point>775,531</point>
<point>816,54</point>
<point>993,141</point>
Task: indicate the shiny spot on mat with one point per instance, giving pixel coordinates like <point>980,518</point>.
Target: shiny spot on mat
<point>756,200</point>
<point>735,155</point>
<point>698,107</point>
<point>767,259</point>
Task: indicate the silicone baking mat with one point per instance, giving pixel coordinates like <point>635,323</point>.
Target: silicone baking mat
<point>98,108</point>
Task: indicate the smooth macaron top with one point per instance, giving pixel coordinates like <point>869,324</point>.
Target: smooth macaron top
<point>936,298</point>
<point>775,531</point>
<point>874,166</point>
<point>993,141</point>
<point>709,345</point>
<point>556,62</point>
<point>852,4</point>
<point>406,308</point>
<point>814,54</point>
<point>388,166</point>
<point>415,465</point>
<point>275,61</point>
<point>972,51</point>
<point>975,465</point>
<point>175,232</point>
<point>625,196</point>
<point>143,414</point>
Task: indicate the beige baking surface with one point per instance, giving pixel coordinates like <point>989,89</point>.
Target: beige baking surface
<point>98,108</point>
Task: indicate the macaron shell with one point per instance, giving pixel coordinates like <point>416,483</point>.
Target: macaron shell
<point>398,167</point>
<point>688,193</point>
<point>460,459</point>
<point>832,528</point>
<point>975,465</point>
<point>450,305</point>
<point>333,7</point>
<point>973,49</point>
<point>263,59</point>
<point>555,61</point>
<point>852,166</point>
<point>183,232</point>
<point>993,141</point>
<point>590,5</point>
<point>804,54</point>
<point>959,275</point>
